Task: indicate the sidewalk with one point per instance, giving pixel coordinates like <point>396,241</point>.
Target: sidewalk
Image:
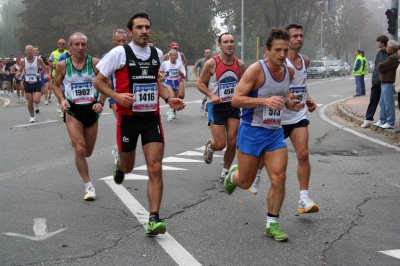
<point>354,110</point>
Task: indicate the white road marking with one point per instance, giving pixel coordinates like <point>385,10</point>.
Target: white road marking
<point>321,113</point>
<point>40,230</point>
<point>335,95</point>
<point>128,177</point>
<point>393,253</point>
<point>37,123</point>
<point>164,167</point>
<point>167,105</point>
<point>180,255</point>
<point>6,102</point>
<point>191,153</point>
<point>179,160</point>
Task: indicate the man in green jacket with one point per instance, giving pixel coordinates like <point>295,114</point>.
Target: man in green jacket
<point>357,72</point>
<point>364,72</point>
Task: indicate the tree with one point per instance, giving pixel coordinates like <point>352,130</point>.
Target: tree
<point>261,15</point>
<point>11,23</point>
<point>187,22</point>
<point>345,27</point>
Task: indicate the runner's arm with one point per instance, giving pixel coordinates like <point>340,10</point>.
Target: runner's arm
<point>184,60</point>
<point>57,86</point>
<point>204,78</point>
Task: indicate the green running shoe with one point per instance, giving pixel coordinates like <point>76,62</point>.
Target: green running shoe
<point>156,226</point>
<point>118,176</point>
<point>229,187</point>
<point>276,233</point>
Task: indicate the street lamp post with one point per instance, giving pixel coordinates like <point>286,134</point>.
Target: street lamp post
<point>242,33</point>
<point>322,47</point>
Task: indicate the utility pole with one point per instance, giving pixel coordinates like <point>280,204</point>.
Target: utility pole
<point>242,33</point>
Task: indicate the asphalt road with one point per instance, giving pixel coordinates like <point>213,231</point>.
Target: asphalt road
<point>45,221</point>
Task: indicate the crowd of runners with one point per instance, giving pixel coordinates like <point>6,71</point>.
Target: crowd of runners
<point>249,111</point>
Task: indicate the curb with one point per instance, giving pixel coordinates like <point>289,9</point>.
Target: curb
<point>359,120</point>
<point>6,102</point>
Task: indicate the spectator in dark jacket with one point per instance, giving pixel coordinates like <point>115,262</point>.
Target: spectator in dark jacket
<point>375,96</point>
<point>381,56</point>
<point>387,77</point>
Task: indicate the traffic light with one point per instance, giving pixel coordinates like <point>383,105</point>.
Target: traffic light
<point>391,15</point>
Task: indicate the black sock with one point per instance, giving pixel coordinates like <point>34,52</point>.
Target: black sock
<point>153,215</point>
<point>271,215</point>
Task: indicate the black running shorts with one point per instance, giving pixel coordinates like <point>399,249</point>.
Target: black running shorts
<point>129,127</point>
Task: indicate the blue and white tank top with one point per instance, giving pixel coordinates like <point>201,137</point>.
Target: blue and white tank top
<point>263,116</point>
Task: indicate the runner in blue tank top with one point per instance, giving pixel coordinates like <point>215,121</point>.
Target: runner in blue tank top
<point>263,93</point>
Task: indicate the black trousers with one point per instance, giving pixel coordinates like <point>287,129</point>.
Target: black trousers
<point>373,101</point>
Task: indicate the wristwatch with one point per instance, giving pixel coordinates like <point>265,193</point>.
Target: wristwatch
<point>166,99</point>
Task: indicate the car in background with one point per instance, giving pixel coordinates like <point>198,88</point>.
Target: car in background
<point>318,69</point>
<point>371,67</point>
<point>336,68</point>
<point>348,68</point>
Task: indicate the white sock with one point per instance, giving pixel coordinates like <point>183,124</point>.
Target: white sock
<point>88,184</point>
<point>271,220</point>
<point>303,194</point>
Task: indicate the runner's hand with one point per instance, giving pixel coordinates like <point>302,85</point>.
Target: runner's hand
<point>176,103</point>
<point>97,108</point>
<point>311,105</point>
<point>126,99</point>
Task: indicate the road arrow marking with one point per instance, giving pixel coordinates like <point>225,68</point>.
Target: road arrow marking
<point>40,230</point>
<point>394,253</point>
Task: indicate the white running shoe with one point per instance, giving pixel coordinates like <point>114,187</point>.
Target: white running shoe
<point>37,110</point>
<point>171,113</point>
<point>387,126</point>
<point>46,102</point>
<point>378,124</point>
<point>307,205</point>
<point>59,108</point>
<point>19,100</point>
<point>367,123</point>
<point>202,108</point>
<point>23,100</point>
<point>32,119</point>
<point>255,186</point>
<point>115,152</point>
<point>61,114</point>
<point>223,176</point>
<point>169,116</point>
<point>49,100</point>
<point>90,193</point>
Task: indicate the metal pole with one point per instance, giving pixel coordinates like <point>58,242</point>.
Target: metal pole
<point>242,33</point>
<point>322,48</point>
